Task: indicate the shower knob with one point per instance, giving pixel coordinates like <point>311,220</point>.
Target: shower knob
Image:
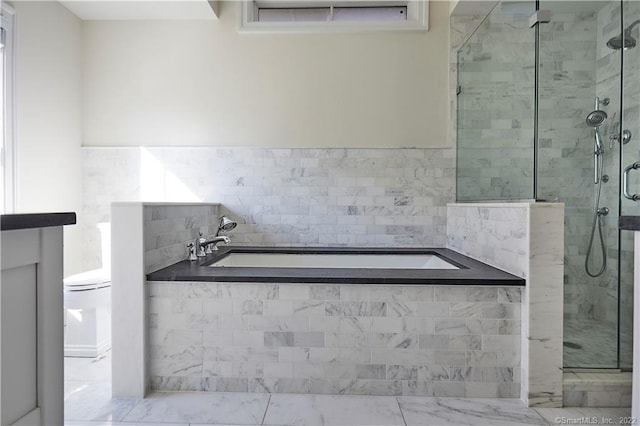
<point>626,137</point>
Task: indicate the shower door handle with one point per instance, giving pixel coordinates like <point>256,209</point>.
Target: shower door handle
<point>625,181</point>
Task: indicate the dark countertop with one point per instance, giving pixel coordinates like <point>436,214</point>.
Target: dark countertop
<point>36,220</point>
<point>471,271</point>
<point>629,223</point>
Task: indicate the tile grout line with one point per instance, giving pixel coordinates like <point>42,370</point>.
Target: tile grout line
<point>401,413</point>
<point>264,416</point>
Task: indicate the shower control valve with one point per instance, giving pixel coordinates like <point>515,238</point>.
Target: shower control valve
<point>626,137</point>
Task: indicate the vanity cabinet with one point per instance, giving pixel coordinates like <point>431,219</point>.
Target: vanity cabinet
<point>31,319</point>
<point>632,223</point>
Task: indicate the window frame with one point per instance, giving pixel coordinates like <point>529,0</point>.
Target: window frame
<point>8,148</point>
<point>417,19</point>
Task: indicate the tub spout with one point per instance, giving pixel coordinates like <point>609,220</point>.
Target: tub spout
<point>212,244</point>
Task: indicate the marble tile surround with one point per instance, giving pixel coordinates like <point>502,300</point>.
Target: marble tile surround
<point>335,339</point>
<point>283,197</point>
<point>169,227</point>
<point>533,234</point>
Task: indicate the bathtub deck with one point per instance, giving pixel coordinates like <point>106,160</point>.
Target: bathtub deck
<point>470,272</point>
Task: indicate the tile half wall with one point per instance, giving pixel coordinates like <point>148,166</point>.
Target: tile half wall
<point>283,197</point>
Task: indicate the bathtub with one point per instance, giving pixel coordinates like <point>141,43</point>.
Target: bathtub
<point>333,260</point>
<point>337,265</point>
<point>335,321</point>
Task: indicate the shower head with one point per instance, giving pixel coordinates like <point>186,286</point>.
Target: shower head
<point>624,41</point>
<point>226,224</point>
<point>616,43</point>
<point>596,118</point>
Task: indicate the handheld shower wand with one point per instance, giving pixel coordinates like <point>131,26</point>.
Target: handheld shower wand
<point>595,119</point>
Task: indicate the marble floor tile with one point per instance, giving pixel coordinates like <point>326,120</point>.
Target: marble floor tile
<point>307,410</point>
<point>88,369</point>
<point>88,402</point>
<point>474,411</point>
<point>612,416</point>
<point>88,423</point>
<point>200,407</point>
<point>92,401</point>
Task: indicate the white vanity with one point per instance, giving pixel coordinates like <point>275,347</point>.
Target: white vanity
<point>31,319</point>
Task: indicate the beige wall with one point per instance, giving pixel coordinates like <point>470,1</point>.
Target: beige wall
<point>452,5</point>
<point>49,115</point>
<point>202,83</point>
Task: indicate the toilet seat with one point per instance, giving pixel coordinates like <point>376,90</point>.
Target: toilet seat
<point>89,280</point>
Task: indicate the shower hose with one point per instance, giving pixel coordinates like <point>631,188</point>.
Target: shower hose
<point>597,223</point>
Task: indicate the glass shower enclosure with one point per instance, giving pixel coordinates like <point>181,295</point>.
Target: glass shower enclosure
<point>548,109</point>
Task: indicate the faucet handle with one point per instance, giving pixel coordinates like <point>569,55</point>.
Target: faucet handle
<point>200,246</point>
<point>192,251</point>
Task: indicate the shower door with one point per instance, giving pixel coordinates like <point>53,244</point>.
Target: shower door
<point>578,117</point>
<point>630,147</point>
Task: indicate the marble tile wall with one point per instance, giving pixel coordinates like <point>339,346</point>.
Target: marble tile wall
<point>532,232</point>
<point>284,197</point>
<point>494,234</point>
<point>335,339</point>
<point>168,228</point>
<point>569,82</point>
<point>495,74</point>
<point>461,27</point>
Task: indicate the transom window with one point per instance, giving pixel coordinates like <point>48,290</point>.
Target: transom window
<point>333,16</point>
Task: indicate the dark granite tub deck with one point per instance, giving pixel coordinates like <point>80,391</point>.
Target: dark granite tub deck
<point>470,272</point>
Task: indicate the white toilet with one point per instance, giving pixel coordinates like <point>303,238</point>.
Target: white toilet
<point>87,303</point>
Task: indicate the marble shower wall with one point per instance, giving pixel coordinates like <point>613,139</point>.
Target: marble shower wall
<point>283,197</point>
<point>461,27</point>
<point>577,66</point>
<point>495,74</point>
<point>570,58</point>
